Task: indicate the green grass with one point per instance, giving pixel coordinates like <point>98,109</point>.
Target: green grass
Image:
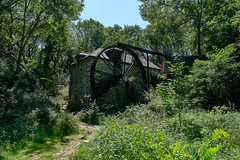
<point>42,146</point>
<point>84,153</point>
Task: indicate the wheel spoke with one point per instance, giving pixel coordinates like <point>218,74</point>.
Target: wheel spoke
<point>117,61</point>
<point>128,69</point>
<point>123,62</point>
<point>110,66</point>
<point>103,73</point>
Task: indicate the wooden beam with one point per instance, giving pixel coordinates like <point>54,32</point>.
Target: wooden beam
<point>142,50</point>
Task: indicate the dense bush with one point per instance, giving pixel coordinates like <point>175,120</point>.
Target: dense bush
<point>90,115</point>
<point>216,81</point>
<point>17,124</point>
<point>193,122</point>
<point>66,123</point>
<point>21,91</point>
<point>88,111</point>
<point>127,142</point>
<point>116,141</point>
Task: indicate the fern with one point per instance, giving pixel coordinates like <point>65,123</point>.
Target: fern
<point>195,155</point>
<point>209,154</point>
<point>219,133</point>
<point>204,151</point>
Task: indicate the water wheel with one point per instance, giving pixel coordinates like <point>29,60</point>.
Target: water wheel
<point>112,65</point>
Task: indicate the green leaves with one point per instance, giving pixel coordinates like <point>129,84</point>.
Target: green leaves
<point>223,28</point>
<point>219,133</point>
<point>30,22</point>
<point>215,81</point>
<point>208,146</point>
<point>191,27</point>
<point>172,91</point>
<point>115,141</point>
<point>90,35</point>
<point>128,142</point>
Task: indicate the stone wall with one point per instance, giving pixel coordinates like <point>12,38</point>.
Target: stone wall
<point>79,85</point>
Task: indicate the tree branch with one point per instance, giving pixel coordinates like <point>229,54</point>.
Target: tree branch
<point>5,7</point>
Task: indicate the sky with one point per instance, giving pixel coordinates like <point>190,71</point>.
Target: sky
<point>111,12</point>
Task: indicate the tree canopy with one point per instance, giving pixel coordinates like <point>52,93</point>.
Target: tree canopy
<point>26,23</point>
<point>190,23</point>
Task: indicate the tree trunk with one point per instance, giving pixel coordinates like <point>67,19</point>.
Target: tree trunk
<point>19,59</point>
<point>199,40</point>
<point>21,50</point>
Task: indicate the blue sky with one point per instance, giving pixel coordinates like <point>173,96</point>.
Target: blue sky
<point>110,12</point>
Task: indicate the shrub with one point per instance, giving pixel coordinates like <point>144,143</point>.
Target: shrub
<point>193,121</point>
<point>24,92</point>
<point>66,123</point>
<point>173,87</point>
<point>116,141</point>
<point>90,115</point>
<point>172,90</point>
<point>15,125</point>
<point>192,131</point>
<point>77,106</point>
<point>216,81</point>
<point>209,145</point>
<point>86,110</point>
<point>127,142</point>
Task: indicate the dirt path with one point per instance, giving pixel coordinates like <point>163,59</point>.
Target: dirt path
<point>90,129</point>
<point>72,145</point>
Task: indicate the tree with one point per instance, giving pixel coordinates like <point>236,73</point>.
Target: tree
<point>25,19</point>
<point>216,81</point>
<point>224,28</point>
<point>133,31</point>
<point>90,34</point>
<point>174,16</point>
<point>58,40</point>
<point>129,35</point>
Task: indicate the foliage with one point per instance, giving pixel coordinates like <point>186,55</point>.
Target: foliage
<point>127,142</point>
<point>165,32</point>
<point>115,141</point>
<point>26,24</point>
<point>39,41</point>
<point>129,34</point>
<point>84,153</point>
<point>206,150</point>
<point>38,130</point>
<point>90,115</point>
<point>66,124</point>
<point>223,29</point>
<point>77,106</point>
<point>172,91</point>
<point>216,81</point>
<point>88,111</point>
<point>193,122</point>
<point>127,92</point>
<point>91,35</point>
<point>190,27</point>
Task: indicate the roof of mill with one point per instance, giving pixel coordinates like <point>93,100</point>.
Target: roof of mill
<point>128,60</point>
